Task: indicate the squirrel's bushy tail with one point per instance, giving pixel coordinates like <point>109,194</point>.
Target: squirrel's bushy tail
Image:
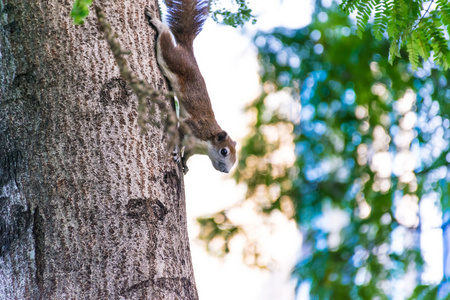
<point>186,18</point>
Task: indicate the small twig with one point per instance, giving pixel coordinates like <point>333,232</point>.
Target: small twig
<point>141,88</point>
<point>423,16</point>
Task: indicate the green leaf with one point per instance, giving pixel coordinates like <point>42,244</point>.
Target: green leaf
<point>444,11</point>
<point>364,10</point>
<point>394,51</point>
<point>399,20</point>
<point>413,52</point>
<point>439,44</point>
<point>349,5</point>
<point>432,293</point>
<point>423,41</point>
<point>380,21</point>
<point>80,11</point>
<point>419,292</point>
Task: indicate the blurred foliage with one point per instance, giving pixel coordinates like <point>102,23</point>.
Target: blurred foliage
<point>369,141</point>
<point>420,25</point>
<point>217,227</point>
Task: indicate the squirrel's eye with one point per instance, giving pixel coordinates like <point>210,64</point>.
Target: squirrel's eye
<point>224,152</point>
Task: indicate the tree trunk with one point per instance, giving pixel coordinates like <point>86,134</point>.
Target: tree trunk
<point>89,207</point>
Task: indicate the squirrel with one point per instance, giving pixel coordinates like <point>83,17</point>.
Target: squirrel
<point>175,55</point>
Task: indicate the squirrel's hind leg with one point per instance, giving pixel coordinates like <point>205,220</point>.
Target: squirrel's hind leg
<point>154,21</point>
<point>170,57</point>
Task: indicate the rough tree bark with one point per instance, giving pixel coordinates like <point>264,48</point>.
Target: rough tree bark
<point>89,207</point>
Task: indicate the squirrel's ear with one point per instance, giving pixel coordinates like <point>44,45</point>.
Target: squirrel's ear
<point>221,136</point>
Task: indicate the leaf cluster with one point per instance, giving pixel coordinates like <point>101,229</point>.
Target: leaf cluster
<point>239,17</point>
<point>407,23</point>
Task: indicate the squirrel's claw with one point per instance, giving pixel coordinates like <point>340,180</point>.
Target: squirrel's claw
<point>184,166</point>
<point>147,13</point>
<point>175,156</point>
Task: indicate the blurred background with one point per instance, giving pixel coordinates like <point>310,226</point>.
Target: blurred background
<point>341,188</point>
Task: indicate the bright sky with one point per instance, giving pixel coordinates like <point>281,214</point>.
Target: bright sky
<point>228,62</point>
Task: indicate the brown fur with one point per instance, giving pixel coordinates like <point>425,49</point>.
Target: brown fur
<point>186,18</point>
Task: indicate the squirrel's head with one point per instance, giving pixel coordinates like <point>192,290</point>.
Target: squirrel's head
<point>222,152</point>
